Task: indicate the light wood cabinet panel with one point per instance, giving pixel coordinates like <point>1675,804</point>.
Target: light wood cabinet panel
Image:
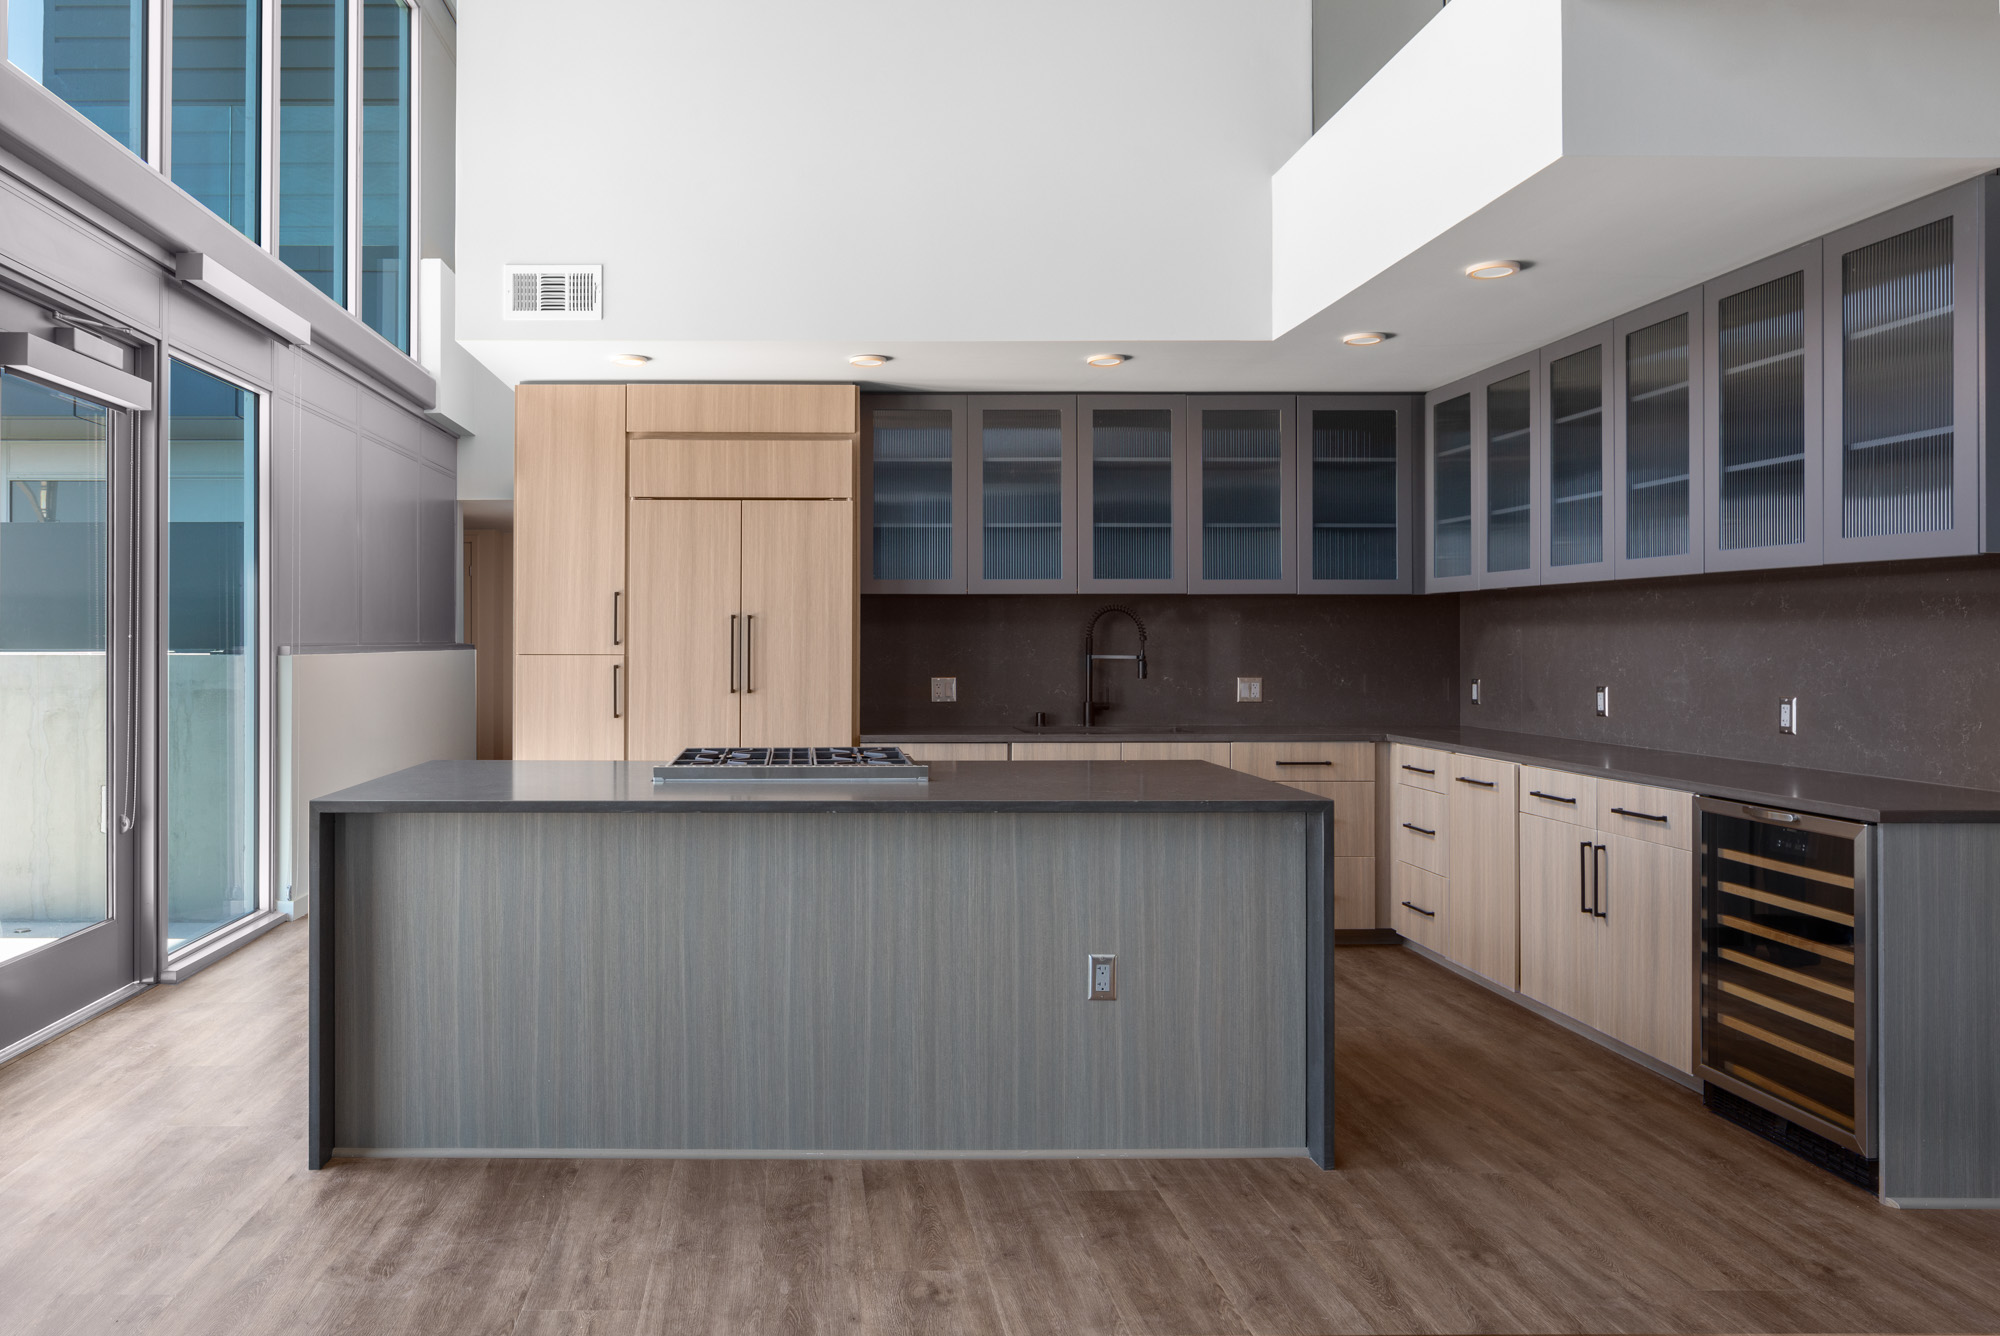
<point>567,707</point>
<point>1353,816</point>
<point>1419,767</point>
<point>799,619</point>
<point>569,518</point>
<point>1559,795</point>
<point>1559,940</point>
<point>687,578</point>
<point>1646,993</point>
<point>1353,893</point>
<point>1485,918</point>
<point>954,751</point>
<point>1215,753</point>
<point>1066,751</point>
<point>1305,762</point>
<point>1660,816</point>
<point>771,469</point>
<point>1422,832</point>
<point>812,410</point>
<point>1418,906</point>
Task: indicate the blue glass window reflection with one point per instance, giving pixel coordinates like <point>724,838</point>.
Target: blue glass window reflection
<point>215,107</point>
<point>385,170</point>
<point>312,142</point>
<point>89,53</point>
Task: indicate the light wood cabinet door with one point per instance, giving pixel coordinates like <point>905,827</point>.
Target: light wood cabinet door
<point>1560,941</point>
<point>1485,913</point>
<point>800,612</point>
<point>1305,762</point>
<point>569,707</point>
<point>1646,991</point>
<point>569,519</point>
<point>1353,816</point>
<point>1066,751</point>
<point>686,591</point>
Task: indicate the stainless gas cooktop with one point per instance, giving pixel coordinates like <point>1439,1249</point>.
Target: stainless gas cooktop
<point>821,763</point>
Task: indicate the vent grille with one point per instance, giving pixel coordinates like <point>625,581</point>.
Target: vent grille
<point>552,292</point>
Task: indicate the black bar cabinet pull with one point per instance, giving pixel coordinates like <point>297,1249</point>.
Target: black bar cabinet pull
<point>1419,829</point>
<point>1427,913</point>
<point>1597,880</point>
<point>1552,797</point>
<point>1583,877</point>
<point>1643,816</point>
<point>617,701</point>
<point>617,637</point>
<point>1419,770</point>
<point>1482,783</point>
<point>1302,763</point>
<point>749,640</point>
<point>733,643</point>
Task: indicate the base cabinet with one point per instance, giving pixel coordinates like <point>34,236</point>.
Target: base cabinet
<point>570,707</point>
<point>1483,933</point>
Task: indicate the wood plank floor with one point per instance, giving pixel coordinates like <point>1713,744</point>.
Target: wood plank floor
<point>1496,1174</point>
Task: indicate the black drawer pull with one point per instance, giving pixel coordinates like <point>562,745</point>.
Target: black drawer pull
<point>1419,829</point>
<point>1552,797</point>
<point>1427,913</point>
<point>1302,763</point>
<point>1419,770</point>
<point>1482,783</point>
<point>1643,816</point>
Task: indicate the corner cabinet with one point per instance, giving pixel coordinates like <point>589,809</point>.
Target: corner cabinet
<point>1485,451</point>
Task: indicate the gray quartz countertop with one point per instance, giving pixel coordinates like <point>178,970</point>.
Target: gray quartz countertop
<point>1825,792</point>
<point>954,786</point>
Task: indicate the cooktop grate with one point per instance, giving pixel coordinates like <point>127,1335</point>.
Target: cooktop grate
<point>820,763</point>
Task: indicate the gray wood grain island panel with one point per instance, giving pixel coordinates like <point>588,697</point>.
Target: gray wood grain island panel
<point>856,982</point>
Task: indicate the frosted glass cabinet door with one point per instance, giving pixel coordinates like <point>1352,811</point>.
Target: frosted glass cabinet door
<point>913,494</point>
<point>1130,493</point>
<point>1354,493</point>
<point>1573,486</point>
<point>1763,498</point>
<point>1657,401</point>
<point>1022,516</point>
<point>1902,405</point>
<point>1241,482</point>
<point>1454,525</point>
<point>1509,432</point>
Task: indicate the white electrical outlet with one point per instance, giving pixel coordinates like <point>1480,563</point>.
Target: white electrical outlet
<point>944,688</point>
<point>1475,691</point>
<point>1249,689</point>
<point>1603,702</point>
<point>1788,714</point>
<point>1103,978</point>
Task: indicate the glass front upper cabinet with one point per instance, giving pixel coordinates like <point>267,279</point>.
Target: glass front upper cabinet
<point>1450,509</point>
<point>1901,305</point>
<point>1243,455</point>
<point>1764,364</point>
<point>1657,456</point>
<point>89,53</point>
<point>913,458</point>
<point>1576,390</point>
<point>1023,476</point>
<point>1354,494</point>
<point>1509,435</point>
<point>1129,487</point>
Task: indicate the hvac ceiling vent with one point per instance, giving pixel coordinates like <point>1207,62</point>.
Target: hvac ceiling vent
<point>552,291</point>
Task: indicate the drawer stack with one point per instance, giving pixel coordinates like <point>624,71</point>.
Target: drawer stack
<point>1345,773</point>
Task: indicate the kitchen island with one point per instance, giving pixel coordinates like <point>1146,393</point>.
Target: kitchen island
<point>567,958</point>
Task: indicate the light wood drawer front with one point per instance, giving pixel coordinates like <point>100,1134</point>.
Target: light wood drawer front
<point>1479,774</point>
<point>1216,753</point>
<point>1559,795</point>
<point>822,410</point>
<point>1417,906</point>
<point>1664,816</point>
<point>1418,766</point>
<point>1065,751</point>
<point>1353,816</point>
<point>1353,893</point>
<point>1419,835</point>
<point>954,751</point>
<point>1305,762</point>
<point>786,470</point>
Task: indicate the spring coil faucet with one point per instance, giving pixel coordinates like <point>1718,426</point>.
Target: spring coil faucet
<point>1091,657</point>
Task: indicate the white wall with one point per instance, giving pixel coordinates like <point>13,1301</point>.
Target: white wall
<point>345,718</point>
<point>884,169</point>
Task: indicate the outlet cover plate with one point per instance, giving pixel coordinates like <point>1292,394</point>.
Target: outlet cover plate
<point>1604,702</point>
<point>1249,690</point>
<point>944,689</point>
<point>1788,714</point>
<point>1103,978</point>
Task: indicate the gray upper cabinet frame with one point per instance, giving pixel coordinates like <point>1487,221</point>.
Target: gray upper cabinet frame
<point>1964,206</point>
<point>1632,533</point>
<point>1087,579</point>
<point>979,410</point>
<point>1719,516</point>
<point>954,404</point>
<point>1554,495</point>
<point>1286,406</point>
<point>1407,409</point>
<point>1484,455</point>
<point>1470,389</point>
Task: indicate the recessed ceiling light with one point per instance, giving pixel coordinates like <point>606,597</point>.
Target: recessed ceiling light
<point>1493,269</point>
<point>629,359</point>
<point>1105,359</point>
<point>1363,340</point>
<point>868,359</point>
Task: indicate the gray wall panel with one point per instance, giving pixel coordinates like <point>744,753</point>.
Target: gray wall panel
<point>391,546</point>
<point>82,260</point>
<point>228,343</point>
<point>334,395</point>
<point>437,557</point>
<point>329,545</point>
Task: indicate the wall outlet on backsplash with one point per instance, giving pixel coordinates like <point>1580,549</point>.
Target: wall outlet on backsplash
<point>1788,714</point>
<point>944,689</point>
<point>1249,690</point>
<point>1475,691</point>
<point>1604,702</point>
